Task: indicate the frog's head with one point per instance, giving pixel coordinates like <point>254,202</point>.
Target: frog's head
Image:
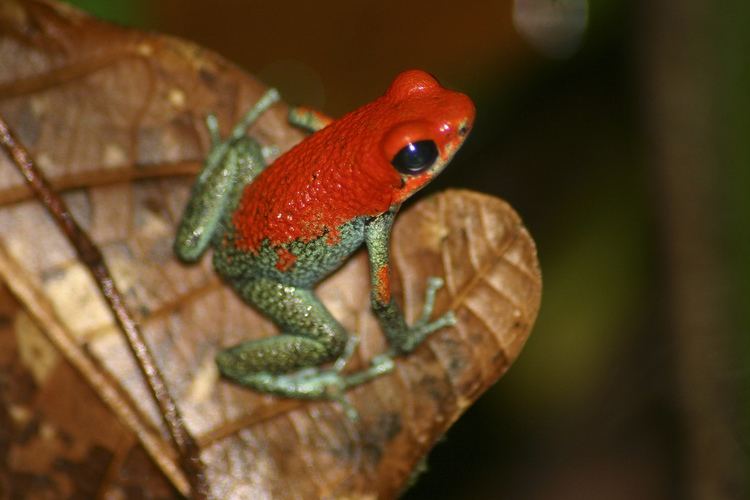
<point>426,125</point>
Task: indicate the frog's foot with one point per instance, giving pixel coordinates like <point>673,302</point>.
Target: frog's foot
<point>220,146</point>
<point>423,327</point>
<point>317,383</point>
<point>380,365</point>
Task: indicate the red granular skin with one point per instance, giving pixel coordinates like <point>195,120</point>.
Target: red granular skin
<point>342,172</point>
<point>320,184</point>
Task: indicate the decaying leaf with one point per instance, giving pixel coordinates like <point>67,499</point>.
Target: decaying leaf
<point>114,117</point>
<point>57,438</point>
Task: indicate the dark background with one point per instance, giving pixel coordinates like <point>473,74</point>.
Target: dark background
<point>620,131</point>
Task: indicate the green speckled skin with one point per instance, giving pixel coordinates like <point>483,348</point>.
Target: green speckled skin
<point>315,259</point>
<point>288,364</point>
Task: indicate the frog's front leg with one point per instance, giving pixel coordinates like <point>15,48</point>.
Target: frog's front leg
<point>231,164</point>
<point>308,119</point>
<point>401,337</point>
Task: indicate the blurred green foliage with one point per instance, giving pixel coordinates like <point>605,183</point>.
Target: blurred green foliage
<point>733,47</point>
<point>125,12</point>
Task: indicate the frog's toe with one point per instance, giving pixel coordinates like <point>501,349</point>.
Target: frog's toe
<point>419,332</point>
<point>434,283</point>
<point>351,346</point>
<point>349,410</point>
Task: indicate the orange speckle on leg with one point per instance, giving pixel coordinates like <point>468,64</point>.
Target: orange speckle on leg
<point>384,285</point>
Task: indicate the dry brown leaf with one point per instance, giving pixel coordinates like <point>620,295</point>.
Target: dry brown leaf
<point>114,117</point>
<point>49,447</point>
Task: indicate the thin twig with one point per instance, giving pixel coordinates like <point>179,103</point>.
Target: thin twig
<point>92,258</point>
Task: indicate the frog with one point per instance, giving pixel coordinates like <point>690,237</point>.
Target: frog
<point>278,226</point>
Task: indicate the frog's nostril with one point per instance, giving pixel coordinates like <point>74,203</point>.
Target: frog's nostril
<point>463,130</point>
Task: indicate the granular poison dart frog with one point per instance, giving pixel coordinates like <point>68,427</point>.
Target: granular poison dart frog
<point>277,230</point>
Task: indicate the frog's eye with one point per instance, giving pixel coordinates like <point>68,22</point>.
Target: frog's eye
<point>415,157</point>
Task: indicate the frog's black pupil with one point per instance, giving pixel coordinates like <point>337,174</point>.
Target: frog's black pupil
<point>415,157</point>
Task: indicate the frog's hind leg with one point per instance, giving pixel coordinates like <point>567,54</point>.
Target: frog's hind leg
<point>288,364</point>
<point>310,336</point>
<point>230,165</point>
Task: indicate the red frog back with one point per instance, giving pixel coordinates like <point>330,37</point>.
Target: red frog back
<point>347,169</point>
